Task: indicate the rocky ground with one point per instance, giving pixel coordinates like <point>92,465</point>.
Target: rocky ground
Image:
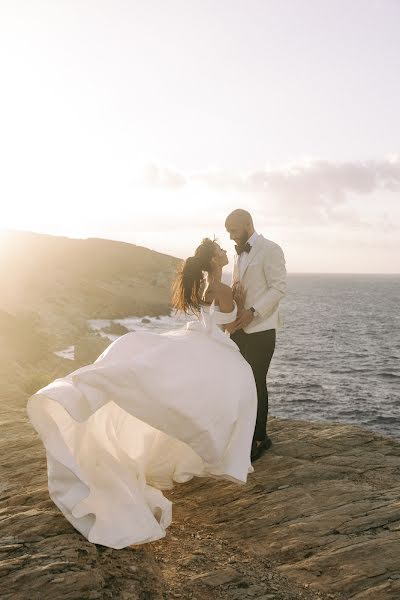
<point>322,508</point>
<point>319,519</point>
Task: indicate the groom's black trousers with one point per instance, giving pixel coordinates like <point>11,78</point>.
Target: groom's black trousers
<point>258,348</point>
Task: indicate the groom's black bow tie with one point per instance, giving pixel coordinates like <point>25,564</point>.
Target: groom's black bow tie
<point>241,249</point>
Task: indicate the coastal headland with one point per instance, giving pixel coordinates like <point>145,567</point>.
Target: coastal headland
<point>318,519</point>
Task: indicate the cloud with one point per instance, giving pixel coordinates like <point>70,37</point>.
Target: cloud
<point>154,176</point>
<point>307,192</point>
<point>318,178</point>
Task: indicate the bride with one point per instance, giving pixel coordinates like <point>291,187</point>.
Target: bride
<point>152,410</point>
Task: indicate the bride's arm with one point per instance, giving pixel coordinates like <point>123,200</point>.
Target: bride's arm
<point>226,304</point>
<point>239,295</point>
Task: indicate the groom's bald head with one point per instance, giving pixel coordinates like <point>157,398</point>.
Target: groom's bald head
<point>239,216</point>
<point>239,225</point>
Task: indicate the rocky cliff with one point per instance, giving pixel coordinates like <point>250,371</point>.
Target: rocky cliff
<point>319,519</point>
<point>52,285</point>
<point>63,279</point>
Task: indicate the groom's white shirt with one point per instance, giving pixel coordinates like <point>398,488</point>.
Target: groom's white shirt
<point>262,272</point>
<point>243,259</point>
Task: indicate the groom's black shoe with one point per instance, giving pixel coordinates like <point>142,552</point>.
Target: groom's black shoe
<point>258,450</point>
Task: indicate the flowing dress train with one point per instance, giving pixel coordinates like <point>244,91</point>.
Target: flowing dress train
<point>152,410</point>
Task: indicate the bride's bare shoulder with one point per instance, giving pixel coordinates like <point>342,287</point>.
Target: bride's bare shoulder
<point>221,293</point>
<point>223,288</point>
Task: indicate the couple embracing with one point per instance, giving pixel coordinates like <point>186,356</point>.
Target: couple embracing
<point>157,409</point>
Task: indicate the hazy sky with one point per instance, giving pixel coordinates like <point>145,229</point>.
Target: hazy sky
<point>148,121</point>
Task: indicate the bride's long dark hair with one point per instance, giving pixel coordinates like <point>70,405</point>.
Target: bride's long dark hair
<point>188,285</point>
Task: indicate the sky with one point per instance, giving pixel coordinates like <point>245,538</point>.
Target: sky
<point>149,121</point>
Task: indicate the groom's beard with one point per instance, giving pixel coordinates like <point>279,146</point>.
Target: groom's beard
<point>243,241</point>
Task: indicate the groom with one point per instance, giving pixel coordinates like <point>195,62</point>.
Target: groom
<point>260,268</point>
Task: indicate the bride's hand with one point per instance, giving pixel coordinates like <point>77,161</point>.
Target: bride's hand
<point>239,295</point>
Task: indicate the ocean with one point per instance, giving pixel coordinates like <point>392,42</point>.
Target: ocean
<point>337,356</point>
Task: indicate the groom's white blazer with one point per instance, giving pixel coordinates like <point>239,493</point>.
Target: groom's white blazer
<point>263,276</point>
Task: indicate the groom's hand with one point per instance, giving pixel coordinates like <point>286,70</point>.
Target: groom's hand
<point>231,327</point>
<point>244,319</point>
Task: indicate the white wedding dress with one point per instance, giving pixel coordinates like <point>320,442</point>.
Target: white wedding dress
<point>153,409</point>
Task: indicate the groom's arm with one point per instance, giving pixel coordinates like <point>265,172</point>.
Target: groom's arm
<point>275,274</point>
